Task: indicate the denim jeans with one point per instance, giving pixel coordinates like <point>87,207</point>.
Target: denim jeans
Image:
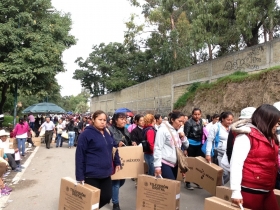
<point>21,145</point>
<point>116,184</point>
<point>149,159</point>
<point>58,141</point>
<point>71,135</point>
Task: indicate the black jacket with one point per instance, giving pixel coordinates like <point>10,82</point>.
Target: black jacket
<point>118,136</point>
<point>193,130</point>
<point>137,135</point>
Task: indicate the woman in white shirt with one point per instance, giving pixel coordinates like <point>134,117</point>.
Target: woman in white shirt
<point>222,129</point>
<point>60,127</point>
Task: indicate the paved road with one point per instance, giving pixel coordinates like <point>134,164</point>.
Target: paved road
<point>38,188</point>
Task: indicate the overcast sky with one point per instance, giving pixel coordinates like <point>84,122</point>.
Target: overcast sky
<point>94,21</point>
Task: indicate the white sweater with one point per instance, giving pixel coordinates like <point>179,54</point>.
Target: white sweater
<point>223,136</point>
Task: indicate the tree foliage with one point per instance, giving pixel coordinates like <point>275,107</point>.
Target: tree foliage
<point>31,44</point>
<point>181,33</point>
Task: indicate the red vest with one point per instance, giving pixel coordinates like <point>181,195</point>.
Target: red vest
<point>261,165</point>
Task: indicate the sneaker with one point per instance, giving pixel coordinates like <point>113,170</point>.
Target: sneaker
<point>189,187</point>
<point>17,170</point>
<point>116,206</point>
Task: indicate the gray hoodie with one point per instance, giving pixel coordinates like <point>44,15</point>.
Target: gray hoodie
<point>164,148</point>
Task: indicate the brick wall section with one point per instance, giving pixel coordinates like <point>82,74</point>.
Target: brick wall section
<point>158,95</point>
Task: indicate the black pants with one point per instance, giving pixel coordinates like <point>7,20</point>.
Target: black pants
<point>195,151</point>
<point>48,138</point>
<point>105,186</point>
<point>11,160</point>
<point>29,140</point>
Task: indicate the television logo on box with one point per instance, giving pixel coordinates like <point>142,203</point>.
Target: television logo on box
<point>78,194</point>
<point>128,161</point>
<point>159,187</point>
<point>203,174</point>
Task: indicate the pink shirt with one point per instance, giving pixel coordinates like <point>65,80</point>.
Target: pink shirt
<point>21,129</point>
<point>31,118</point>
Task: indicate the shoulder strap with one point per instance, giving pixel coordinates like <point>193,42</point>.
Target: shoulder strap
<point>175,143</point>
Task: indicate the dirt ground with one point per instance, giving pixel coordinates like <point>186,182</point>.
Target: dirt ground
<point>235,96</point>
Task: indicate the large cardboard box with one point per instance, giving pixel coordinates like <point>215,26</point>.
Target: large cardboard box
<point>277,194</point>
<point>224,193</point>
<point>37,141</point>
<point>78,197</point>
<point>214,203</point>
<point>189,176</point>
<point>132,159</point>
<point>208,176</point>
<point>157,194</point>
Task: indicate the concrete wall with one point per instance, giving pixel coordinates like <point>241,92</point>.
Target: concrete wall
<point>158,95</point>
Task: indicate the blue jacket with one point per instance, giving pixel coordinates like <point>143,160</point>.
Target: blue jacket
<point>94,154</point>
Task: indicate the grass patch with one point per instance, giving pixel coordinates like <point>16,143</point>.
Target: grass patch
<point>236,77</point>
<point>7,119</point>
<point>190,92</point>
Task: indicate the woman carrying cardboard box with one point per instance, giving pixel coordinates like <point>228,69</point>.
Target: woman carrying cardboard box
<point>254,161</point>
<point>165,158</point>
<point>94,162</point>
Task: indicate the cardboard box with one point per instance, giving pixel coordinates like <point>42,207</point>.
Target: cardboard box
<point>37,141</point>
<point>277,194</point>
<point>214,203</point>
<point>132,159</point>
<point>189,176</point>
<point>78,197</point>
<point>157,194</point>
<point>208,176</point>
<point>224,193</point>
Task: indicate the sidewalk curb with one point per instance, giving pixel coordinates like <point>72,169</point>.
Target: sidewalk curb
<point>4,199</point>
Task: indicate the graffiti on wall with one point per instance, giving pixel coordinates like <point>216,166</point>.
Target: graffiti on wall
<point>251,61</point>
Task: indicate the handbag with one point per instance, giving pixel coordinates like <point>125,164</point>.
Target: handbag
<point>65,135</point>
<point>214,146</point>
<point>181,158</point>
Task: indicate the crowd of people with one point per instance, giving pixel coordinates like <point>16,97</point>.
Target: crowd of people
<point>246,149</point>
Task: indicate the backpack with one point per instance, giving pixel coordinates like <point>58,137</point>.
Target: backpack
<point>215,143</point>
<point>144,142</point>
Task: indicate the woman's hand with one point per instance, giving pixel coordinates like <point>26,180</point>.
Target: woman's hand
<point>121,144</point>
<point>117,168</point>
<point>237,201</point>
<point>134,143</point>
<point>208,158</point>
<point>181,135</point>
<point>157,172</point>
<point>185,152</point>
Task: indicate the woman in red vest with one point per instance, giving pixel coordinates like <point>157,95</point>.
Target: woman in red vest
<point>254,161</point>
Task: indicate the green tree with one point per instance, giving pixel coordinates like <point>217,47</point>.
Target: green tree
<point>32,41</point>
<point>81,107</point>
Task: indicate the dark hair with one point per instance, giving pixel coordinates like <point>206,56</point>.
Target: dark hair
<point>174,115</point>
<point>97,113</point>
<point>116,116</point>
<point>215,116</point>
<point>265,118</point>
<point>137,118</point>
<point>157,116</point>
<point>21,121</point>
<point>196,109</point>
<point>224,115</point>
